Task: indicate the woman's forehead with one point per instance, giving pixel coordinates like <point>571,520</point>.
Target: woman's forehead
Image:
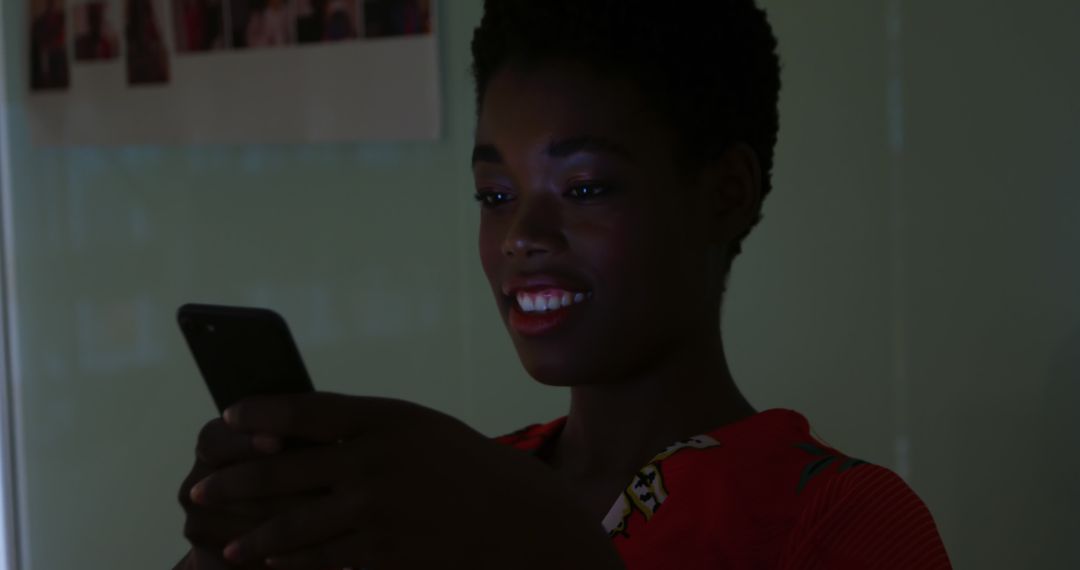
<point>538,109</point>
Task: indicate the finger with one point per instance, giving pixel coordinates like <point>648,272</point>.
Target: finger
<point>202,469</point>
<point>204,559</point>
<point>350,551</point>
<point>263,508</point>
<point>327,518</point>
<point>210,529</point>
<point>216,527</point>
<point>317,416</point>
<point>199,472</point>
<point>296,472</point>
<point>220,445</point>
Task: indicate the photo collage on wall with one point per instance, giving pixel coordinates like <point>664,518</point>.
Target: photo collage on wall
<point>134,31</point>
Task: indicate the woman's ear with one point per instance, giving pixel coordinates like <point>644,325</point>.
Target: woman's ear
<point>733,180</point>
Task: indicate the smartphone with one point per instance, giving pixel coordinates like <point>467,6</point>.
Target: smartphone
<point>243,352</point>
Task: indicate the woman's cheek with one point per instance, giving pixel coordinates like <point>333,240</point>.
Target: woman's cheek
<point>490,245</point>
<point>620,238</point>
<point>611,254</point>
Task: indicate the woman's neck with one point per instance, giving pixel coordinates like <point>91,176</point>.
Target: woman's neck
<point>613,429</point>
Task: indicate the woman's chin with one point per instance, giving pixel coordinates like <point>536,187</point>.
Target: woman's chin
<point>560,372</point>
<point>547,372</point>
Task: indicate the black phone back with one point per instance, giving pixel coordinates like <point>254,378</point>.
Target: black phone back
<point>243,352</point>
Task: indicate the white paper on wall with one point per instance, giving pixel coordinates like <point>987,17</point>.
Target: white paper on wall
<point>112,72</point>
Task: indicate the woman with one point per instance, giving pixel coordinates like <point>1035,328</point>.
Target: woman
<point>622,154</point>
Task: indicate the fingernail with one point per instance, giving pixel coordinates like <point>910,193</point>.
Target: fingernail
<point>198,492</point>
<point>266,443</point>
<point>230,415</point>
<point>232,551</point>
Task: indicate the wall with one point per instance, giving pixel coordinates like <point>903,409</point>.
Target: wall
<point>912,288</point>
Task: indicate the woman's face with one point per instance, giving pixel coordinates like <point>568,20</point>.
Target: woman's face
<point>595,243</point>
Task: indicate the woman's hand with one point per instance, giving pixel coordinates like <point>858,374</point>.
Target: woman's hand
<point>209,528</point>
<point>201,559</point>
<point>400,486</point>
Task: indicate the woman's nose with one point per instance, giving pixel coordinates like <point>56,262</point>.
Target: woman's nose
<point>536,230</point>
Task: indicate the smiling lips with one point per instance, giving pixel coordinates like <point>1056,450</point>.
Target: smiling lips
<point>548,300</point>
<point>542,311</point>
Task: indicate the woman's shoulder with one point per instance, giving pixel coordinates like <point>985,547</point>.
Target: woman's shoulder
<point>865,517</point>
<point>775,453</point>
<point>807,500</point>
<point>532,436</point>
<point>771,454</point>
<point>843,512</point>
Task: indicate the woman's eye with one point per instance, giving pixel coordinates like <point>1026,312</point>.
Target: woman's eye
<point>587,191</point>
<point>492,198</point>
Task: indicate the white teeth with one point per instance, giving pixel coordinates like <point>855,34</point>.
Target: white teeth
<point>549,300</point>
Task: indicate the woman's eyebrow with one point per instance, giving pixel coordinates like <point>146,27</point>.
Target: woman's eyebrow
<point>588,143</point>
<point>560,149</point>
<point>486,153</point>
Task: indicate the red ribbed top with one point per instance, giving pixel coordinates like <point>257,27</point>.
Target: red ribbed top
<point>763,493</point>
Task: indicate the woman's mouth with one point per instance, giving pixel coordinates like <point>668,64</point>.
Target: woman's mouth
<point>548,300</point>
<point>537,312</point>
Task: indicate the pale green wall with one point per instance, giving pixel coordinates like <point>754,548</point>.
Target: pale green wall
<point>921,292</point>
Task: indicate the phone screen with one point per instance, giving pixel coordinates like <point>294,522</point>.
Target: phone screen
<point>243,352</point>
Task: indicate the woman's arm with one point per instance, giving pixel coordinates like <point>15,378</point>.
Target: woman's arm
<point>867,518</point>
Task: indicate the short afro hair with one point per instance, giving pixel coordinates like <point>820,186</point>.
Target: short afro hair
<point>711,66</point>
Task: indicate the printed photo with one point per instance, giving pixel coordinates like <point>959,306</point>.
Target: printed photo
<point>262,23</point>
<point>96,38</point>
<point>199,25</point>
<point>396,17</point>
<point>48,45</point>
<point>326,20</point>
<point>147,56</point>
